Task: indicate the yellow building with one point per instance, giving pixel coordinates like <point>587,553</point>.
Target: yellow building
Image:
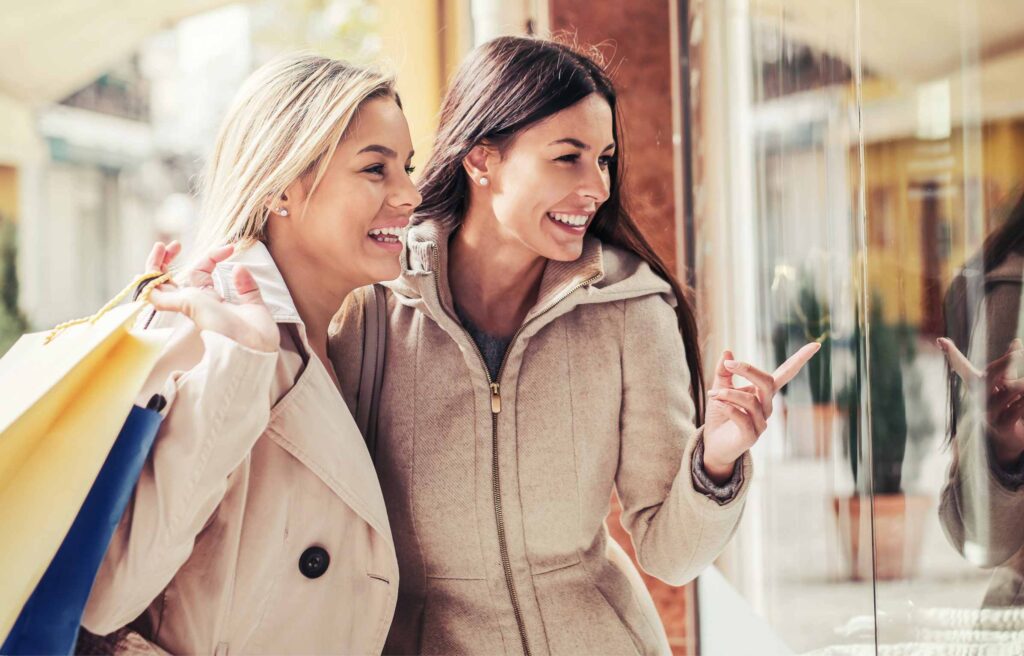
<point>919,194</point>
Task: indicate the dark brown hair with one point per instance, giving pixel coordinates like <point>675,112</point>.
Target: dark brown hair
<point>507,85</point>
<point>969,286</point>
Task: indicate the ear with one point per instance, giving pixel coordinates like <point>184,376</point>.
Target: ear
<point>479,164</point>
<point>289,201</point>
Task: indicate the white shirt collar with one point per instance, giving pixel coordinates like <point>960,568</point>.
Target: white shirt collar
<point>275,292</point>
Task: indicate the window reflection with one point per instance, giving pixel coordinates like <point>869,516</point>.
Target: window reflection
<point>870,152</point>
<point>983,503</point>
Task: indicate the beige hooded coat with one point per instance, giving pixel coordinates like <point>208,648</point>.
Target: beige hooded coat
<point>497,490</point>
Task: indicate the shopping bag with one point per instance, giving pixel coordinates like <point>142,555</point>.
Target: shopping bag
<point>66,394</point>
<point>49,621</point>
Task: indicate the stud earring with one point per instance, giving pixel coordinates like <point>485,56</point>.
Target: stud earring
<point>282,211</point>
<point>484,181</point>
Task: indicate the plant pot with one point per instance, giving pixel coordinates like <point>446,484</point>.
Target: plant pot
<point>810,429</point>
<point>899,521</point>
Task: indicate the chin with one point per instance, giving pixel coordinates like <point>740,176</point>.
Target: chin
<point>385,273</point>
<point>564,254</point>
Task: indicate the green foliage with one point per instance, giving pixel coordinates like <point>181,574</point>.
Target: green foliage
<point>809,320</point>
<point>889,347</point>
<point>12,322</point>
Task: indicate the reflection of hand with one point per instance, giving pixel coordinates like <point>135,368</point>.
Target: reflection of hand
<point>247,322</point>
<point>1004,388</point>
<point>737,417</point>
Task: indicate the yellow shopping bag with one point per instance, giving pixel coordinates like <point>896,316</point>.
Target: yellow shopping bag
<point>64,396</point>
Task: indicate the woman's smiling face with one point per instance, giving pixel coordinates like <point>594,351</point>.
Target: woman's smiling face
<point>351,224</point>
<point>546,184</point>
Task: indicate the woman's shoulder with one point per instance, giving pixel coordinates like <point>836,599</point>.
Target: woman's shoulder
<point>1010,270</point>
<point>624,270</point>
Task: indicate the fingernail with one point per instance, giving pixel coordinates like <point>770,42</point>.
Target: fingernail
<point>714,393</point>
<point>731,364</point>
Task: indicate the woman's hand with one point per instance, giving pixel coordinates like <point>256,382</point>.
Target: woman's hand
<point>737,417</point>
<point>1003,388</point>
<point>247,321</point>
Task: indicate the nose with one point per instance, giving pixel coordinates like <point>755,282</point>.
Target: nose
<point>596,185</point>
<point>405,195</point>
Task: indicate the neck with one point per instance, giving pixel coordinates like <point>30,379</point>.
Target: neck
<point>316,297</point>
<point>494,278</point>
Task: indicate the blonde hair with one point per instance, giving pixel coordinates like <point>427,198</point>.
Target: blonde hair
<point>284,123</point>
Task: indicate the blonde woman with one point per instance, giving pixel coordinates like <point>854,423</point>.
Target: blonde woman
<point>258,525</point>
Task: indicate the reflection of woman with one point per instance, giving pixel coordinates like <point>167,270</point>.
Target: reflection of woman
<point>982,506</point>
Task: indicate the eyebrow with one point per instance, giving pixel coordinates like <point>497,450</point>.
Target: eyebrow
<point>376,147</point>
<point>384,150</point>
<point>578,144</point>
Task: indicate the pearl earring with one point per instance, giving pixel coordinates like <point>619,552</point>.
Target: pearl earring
<point>282,211</point>
<point>484,182</point>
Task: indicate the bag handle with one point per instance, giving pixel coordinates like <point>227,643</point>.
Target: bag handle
<point>371,374</point>
<point>148,282</point>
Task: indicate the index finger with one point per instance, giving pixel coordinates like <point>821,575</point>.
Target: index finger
<point>791,367</point>
<point>958,361</point>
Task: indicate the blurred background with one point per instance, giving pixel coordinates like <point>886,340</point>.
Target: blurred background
<point>816,170</point>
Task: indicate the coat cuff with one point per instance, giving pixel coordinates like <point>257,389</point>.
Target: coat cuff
<point>721,494</point>
<point>1012,477</point>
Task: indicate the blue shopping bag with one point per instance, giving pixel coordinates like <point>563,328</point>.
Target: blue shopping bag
<point>49,620</point>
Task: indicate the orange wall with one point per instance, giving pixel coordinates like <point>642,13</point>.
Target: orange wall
<point>8,193</point>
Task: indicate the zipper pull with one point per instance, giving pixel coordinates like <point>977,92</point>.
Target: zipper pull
<point>495,398</point>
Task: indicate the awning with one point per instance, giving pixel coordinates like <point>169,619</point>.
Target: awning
<point>902,40</point>
<point>51,48</point>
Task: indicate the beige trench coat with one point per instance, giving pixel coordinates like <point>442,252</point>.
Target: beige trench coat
<point>258,526</point>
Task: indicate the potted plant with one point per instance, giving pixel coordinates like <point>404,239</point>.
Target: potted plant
<point>12,322</point>
<point>898,518</point>
<point>810,428</point>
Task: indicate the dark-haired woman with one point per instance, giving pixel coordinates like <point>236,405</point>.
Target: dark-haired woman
<point>982,508</point>
<point>540,356</point>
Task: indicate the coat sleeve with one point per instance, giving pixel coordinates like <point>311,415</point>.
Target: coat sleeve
<point>676,530</point>
<point>980,512</point>
<point>219,397</point>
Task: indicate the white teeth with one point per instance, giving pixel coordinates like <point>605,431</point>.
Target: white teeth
<point>386,231</point>
<point>576,220</point>
<point>386,234</point>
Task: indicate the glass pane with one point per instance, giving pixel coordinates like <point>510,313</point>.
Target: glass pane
<point>857,175</point>
<point>943,133</point>
<point>781,228</point>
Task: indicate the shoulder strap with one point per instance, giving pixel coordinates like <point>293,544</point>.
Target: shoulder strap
<point>371,374</point>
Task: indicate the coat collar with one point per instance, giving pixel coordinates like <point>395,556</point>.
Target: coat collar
<point>264,270</point>
<point>336,453</point>
<point>609,273</point>
<point>426,253</point>
<point>1011,269</point>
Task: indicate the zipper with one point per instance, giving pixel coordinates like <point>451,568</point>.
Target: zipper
<point>494,385</point>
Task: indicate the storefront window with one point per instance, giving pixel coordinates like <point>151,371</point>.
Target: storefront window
<point>857,169</point>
